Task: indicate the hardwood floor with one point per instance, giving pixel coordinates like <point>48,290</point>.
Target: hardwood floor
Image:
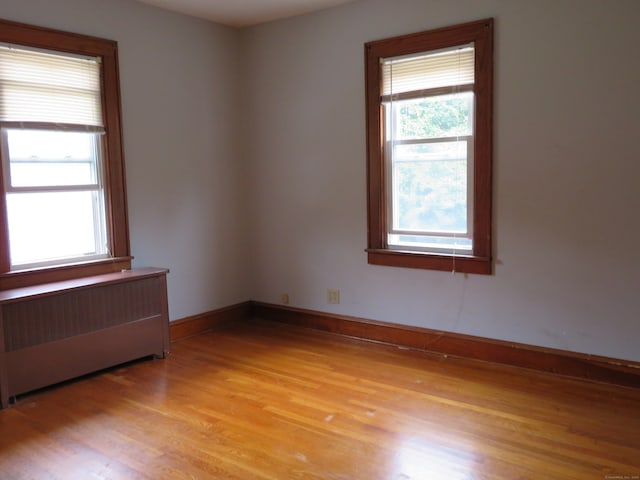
<point>270,401</point>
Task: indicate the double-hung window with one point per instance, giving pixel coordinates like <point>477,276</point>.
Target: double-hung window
<point>63,210</point>
<point>51,116</point>
<point>429,149</point>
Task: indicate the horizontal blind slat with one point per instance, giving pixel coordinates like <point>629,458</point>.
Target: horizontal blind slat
<point>49,88</point>
<point>423,72</point>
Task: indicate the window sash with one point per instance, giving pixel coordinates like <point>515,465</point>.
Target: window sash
<point>94,160</point>
<point>47,255</point>
<point>392,198</point>
<point>428,244</point>
<point>390,115</point>
<point>97,207</point>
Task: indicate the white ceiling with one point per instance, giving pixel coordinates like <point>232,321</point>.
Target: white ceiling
<point>243,13</point>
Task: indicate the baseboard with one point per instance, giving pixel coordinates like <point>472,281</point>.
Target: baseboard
<point>197,324</point>
<point>560,362</point>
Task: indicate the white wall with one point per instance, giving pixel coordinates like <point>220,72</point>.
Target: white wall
<point>272,148</point>
<point>179,80</point>
<point>567,172</point>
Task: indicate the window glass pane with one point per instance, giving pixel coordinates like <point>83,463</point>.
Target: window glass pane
<point>433,117</point>
<point>28,174</point>
<point>49,226</point>
<point>46,158</point>
<point>430,187</point>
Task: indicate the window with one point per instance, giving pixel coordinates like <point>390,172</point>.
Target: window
<point>429,146</point>
<point>63,208</point>
<point>54,197</point>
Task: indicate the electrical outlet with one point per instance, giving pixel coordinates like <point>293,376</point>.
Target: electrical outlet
<point>284,298</point>
<point>333,296</point>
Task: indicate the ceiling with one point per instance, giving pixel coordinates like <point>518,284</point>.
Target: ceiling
<point>243,13</point>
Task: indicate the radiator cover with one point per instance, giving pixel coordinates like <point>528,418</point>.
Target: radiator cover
<point>55,332</point>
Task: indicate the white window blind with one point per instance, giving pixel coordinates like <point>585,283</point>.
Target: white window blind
<point>40,88</point>
<point>440,69</point>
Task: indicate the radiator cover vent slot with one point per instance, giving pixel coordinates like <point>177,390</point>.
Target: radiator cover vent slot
<point>55,317</point>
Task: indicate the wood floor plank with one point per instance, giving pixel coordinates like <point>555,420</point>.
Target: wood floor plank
<point>271,401</point>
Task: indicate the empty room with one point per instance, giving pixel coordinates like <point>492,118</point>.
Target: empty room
<point>319,239</point>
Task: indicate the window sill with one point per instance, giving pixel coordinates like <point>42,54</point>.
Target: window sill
<point>430,261</point>
<point>36,276</point>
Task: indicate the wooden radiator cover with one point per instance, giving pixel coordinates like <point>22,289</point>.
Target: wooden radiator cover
<point>54,332</point>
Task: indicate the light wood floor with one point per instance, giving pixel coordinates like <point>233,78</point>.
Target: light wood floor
<point>278,402</point>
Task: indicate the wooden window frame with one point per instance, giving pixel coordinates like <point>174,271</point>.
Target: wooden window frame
<point>114,174</point>
<point>378,252</point>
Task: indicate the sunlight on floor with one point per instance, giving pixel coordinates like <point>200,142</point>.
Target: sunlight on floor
<point>418,459</point>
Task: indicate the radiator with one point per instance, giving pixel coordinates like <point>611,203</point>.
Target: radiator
<point>55,332</point>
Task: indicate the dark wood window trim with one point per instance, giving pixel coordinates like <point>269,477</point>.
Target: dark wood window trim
<point>115,189</point>
<point>481,33</point>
